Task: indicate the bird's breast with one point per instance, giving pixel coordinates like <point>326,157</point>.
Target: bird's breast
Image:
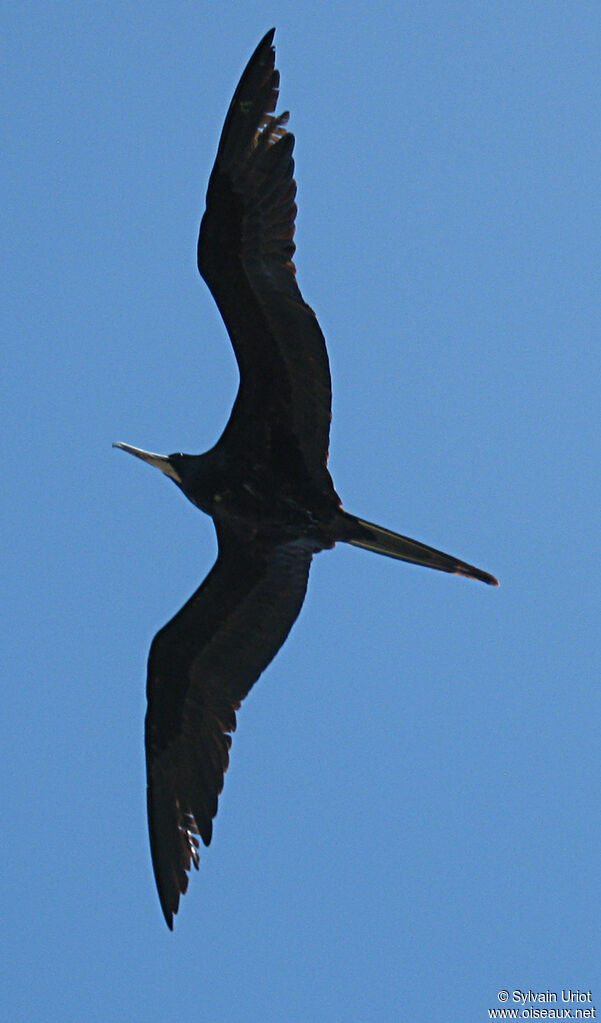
<point>271,508</point>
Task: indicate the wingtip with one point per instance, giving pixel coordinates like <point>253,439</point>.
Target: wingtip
<point>266,41</point>
<point>169,910</point>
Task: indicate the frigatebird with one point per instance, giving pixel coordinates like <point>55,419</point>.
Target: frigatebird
<point>265,483</point>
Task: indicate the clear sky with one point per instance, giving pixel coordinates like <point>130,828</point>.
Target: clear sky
<point>410,822</point>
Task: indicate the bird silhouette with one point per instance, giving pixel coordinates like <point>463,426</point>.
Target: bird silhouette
<point>265,484</point>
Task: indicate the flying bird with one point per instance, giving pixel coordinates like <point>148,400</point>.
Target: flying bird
<point>265,484</point>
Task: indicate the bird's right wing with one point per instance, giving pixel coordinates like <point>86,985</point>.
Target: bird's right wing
<point>245,251</point>
<point>201,666</point>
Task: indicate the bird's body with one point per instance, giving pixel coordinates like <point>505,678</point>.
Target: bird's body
<point>269,500</point>
<point>265,484</point>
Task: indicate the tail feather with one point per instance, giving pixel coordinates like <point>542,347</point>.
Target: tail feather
<point>393,545</point>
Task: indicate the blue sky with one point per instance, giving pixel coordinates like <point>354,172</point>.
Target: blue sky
<point>410,822</point>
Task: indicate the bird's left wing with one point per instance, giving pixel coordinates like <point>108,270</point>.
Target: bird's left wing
<point>201,666</point>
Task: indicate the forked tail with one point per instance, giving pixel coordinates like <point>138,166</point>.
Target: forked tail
<point>384,541</point>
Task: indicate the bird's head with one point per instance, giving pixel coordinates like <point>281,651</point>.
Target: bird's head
<point>173,466</point>
<point>193,474</point>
